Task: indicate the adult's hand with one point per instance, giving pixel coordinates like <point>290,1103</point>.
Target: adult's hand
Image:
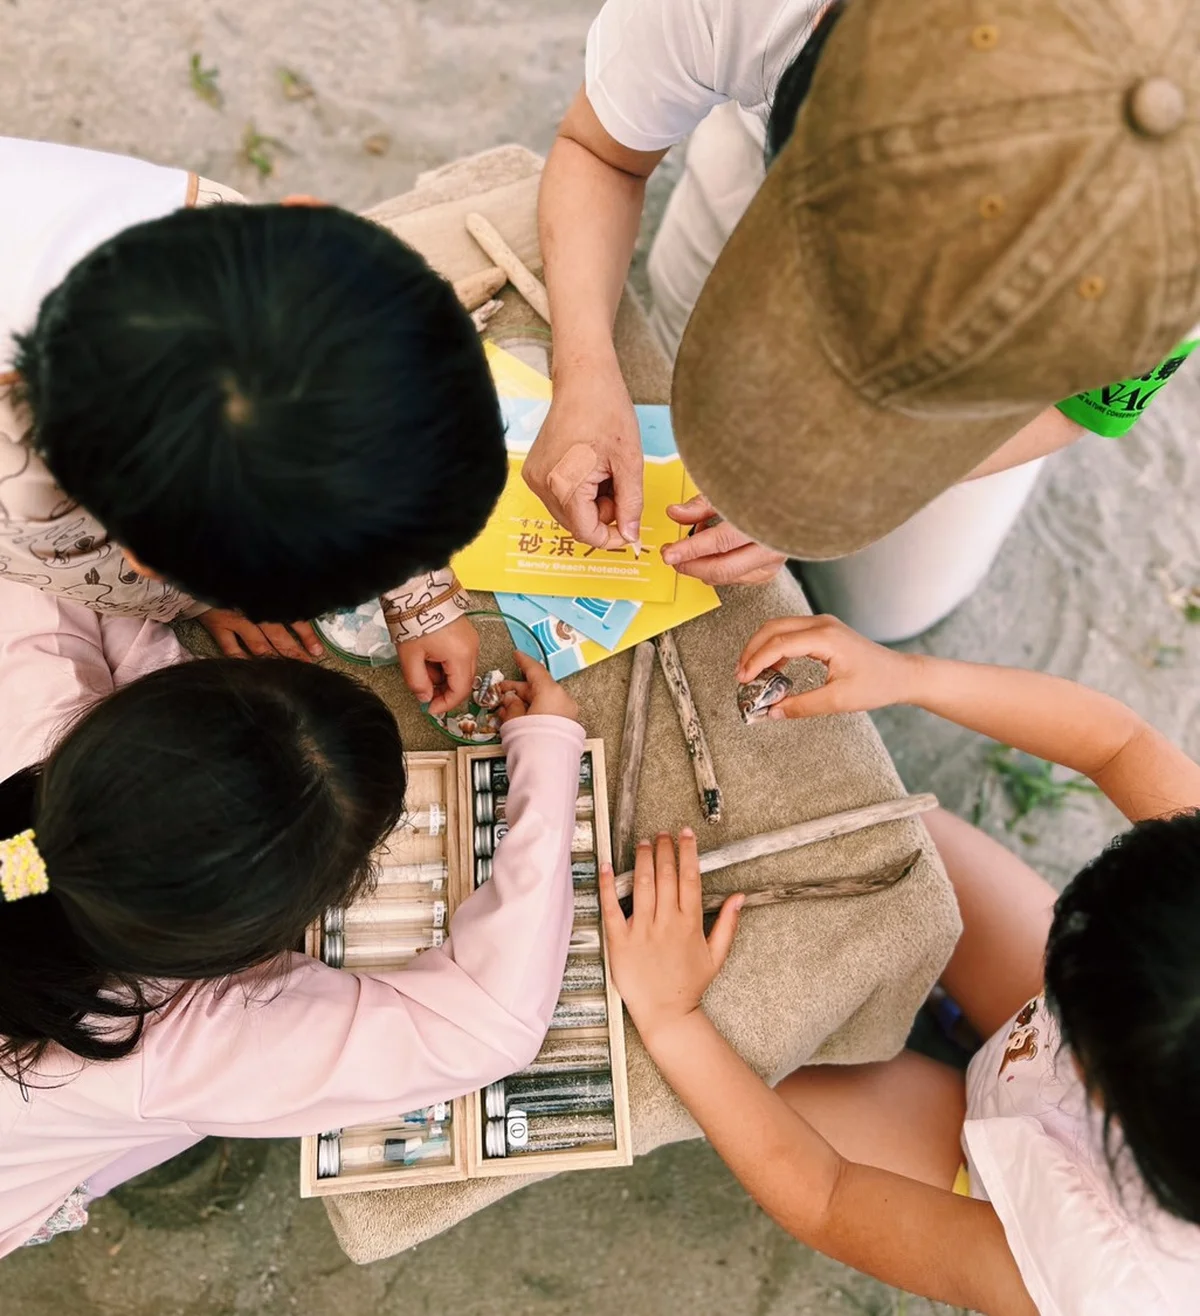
<point>719,554</point>
<point>586,463</point>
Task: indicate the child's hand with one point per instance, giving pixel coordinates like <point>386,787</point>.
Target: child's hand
<point>661,963</point>
<point>440,667</point>
<point>238,637</point>
<point>862,674</point>
<point>539,692</point>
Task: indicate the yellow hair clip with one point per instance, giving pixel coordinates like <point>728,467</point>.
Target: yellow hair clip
<point>22,868</point>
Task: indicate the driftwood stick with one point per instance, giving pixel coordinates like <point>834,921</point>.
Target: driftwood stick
<point>482,314</point>
<point>693,731</point>
<point>822,888</point>
<point>803,833</point>
<point>633,745</point>
<point>519,274</point>
<point>480,287</point>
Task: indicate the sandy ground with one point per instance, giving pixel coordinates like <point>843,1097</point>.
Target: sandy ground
<point>1083,588</point>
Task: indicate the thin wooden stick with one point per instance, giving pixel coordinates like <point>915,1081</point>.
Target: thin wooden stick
<point>822,888</point>
<point>633,745</point>
<point>519,274</point>
<point>803,833</point>
<point>693,731</point>
<point>482,314</point>
<point>480,287</point>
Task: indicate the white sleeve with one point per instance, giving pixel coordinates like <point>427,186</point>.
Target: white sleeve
<point>1081,1251</point>
<point>651,70</point>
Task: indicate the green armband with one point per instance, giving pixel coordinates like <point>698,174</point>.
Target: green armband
<point>1114,409</point>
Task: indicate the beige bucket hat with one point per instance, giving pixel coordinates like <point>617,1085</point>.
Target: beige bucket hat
<point>986,206</point>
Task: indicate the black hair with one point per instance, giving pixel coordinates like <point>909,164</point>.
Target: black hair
<point>192,825</point>
<point>280,409</point>
<point>1123,981</point>
<point>796,82</point>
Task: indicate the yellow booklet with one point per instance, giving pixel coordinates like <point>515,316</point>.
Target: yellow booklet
<point>512,377</point>
<point>524,550</point>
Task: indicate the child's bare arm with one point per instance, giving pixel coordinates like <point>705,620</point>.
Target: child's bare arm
<point>904,1232</point>
<point>1142,772</point>
<point>1137,767</point>
<point>923,1239</point>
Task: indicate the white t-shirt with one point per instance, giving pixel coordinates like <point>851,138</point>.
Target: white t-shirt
<point>1034,1146</point>
<point>655,68</point>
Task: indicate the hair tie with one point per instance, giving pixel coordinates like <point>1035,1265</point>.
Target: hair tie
<point>22,868</point>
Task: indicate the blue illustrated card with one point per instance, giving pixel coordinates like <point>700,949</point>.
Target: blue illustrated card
<point>601,620</point>
<point>557,638</point>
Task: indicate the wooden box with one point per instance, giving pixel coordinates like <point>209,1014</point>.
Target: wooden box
<point>462,1136</point>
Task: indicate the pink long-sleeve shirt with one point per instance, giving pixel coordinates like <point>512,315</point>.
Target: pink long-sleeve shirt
<point>319,1048</point>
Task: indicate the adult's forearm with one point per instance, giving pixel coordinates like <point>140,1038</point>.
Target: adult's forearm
<point>588,217</point>
<point>1047,433</point>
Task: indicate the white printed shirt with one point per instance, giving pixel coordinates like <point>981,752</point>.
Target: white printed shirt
<point>1035,1150</point>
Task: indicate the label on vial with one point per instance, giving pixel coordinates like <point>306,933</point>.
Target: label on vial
<point>439,913</point>
<point>517,1128</point>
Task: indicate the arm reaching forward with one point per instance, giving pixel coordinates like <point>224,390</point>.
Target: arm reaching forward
<point>328,1048</point>
<point>1137,767</point>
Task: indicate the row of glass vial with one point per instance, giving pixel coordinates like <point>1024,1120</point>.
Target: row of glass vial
<point>422,1137</point>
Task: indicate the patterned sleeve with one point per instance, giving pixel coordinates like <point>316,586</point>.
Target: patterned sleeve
<point>424,604</point>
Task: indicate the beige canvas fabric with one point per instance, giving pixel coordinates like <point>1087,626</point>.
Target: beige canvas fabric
<point>837,980</point>
<point>984,209</point>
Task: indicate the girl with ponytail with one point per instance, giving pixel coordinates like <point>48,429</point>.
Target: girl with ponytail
<point>158,865</point>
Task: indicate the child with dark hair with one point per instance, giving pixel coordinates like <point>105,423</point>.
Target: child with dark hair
<point>157,870</point>
<point>1063,1175</point>
<point>246,414</point>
